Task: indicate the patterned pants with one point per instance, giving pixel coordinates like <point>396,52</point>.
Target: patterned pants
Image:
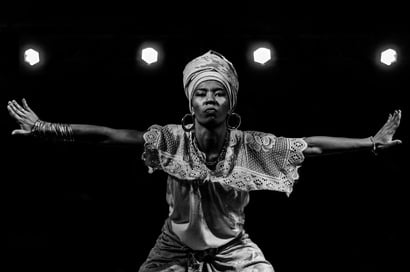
<point>170,254</point>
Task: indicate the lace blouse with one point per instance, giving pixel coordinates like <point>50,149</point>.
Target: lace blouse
<point>206,207</point>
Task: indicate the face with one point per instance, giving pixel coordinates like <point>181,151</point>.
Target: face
<point>210,103</point>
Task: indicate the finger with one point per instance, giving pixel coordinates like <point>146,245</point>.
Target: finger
<point>395,114</point>
<point>19,107</point>
<point>390,122</point>
<point>14,113</point>
<point>397,141</point>
<point>20,132</point>
<point>398,117</point>
<point>25,105</point>
<point>395,119</point>
<point>9,109</point>
<point>395,122</point>
<point>390,144</point>
<point>15,109</point>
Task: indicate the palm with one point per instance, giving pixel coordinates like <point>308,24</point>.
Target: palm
<point>25,126</point>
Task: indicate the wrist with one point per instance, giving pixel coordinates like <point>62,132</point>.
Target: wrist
<point>52,131</point>
<point>34,128</point>
<point>373,145</point>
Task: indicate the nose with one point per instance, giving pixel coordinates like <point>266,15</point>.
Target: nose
<point>210,97</point>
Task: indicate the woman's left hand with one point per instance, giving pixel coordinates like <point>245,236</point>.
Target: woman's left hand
<point>384,137</point>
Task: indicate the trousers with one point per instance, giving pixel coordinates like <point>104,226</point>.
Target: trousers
<point>170,254</point>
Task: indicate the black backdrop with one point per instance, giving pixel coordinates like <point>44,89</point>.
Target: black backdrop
<point>95,208</point>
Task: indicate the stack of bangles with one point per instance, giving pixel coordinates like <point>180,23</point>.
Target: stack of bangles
<point>374,148</point>
<point>53,131</point>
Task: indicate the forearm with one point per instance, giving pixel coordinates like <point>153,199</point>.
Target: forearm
<point>106,135</point>
<point>86,133</point>
<point>64,132</point>
<point>91,133</point>
<point>318,145</point>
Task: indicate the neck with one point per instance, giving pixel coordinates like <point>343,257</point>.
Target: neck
<point>210,140</point>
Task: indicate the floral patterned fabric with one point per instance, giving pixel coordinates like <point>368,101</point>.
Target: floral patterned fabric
<point>253,161</point>
<point>206,207</point>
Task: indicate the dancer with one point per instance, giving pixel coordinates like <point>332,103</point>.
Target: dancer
<point>211,167</point>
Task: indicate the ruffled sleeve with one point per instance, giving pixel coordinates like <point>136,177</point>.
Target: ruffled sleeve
<point>159,142</point>
<point>152,138</point>
<point>266,162</point>
<point>167,148</point>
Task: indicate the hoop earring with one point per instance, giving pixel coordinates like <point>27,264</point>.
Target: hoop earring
<point>238,122</point>
<point>188,126</point>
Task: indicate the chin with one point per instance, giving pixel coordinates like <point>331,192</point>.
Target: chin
<point>211,122</point>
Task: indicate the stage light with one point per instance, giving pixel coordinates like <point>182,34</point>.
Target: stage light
<point>262,55</point>
<point>32,56</point>
<point>388,56</point>
<point>149,55</point>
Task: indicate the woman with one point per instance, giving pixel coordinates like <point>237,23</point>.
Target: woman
<point>211,167</point>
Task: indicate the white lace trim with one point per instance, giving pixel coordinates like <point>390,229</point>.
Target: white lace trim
<point>241,178</point>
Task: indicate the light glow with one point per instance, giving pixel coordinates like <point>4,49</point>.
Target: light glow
<point>32,56</point>
<point>388,57</point>
<point>262,55</point>
<point>149,55</point>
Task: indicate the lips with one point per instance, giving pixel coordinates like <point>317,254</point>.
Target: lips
<point>210,110</point>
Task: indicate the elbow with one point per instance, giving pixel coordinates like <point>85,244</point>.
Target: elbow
<point>313,151</point>
<point>108,136</point>
<point>312,148</point>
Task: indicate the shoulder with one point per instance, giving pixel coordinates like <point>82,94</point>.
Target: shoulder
<point>169,128</point>
<point>258,140</point>
<point>166,132</point>
<point>249,134</point>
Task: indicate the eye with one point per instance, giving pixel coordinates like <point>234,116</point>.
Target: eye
<point>220,93</point>
<point>199,93</point>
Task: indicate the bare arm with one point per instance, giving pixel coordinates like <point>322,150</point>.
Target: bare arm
<point>106,135</point>
<point>318,145</point>
<point>26,118</point>
<point>322,145</point>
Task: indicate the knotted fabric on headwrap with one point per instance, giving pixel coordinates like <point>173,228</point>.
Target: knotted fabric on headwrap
<point>211,66</point>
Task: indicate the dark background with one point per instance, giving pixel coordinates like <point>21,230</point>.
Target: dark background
<point>86,207</point>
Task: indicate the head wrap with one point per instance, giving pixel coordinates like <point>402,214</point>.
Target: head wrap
<point>211,66</point>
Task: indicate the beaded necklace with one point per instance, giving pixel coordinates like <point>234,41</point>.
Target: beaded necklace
<point>221,155</point>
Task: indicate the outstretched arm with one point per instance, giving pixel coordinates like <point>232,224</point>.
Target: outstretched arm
<point>31,125</point>
<point>318,145</point>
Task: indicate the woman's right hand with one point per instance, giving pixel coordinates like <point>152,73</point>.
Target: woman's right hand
<point>25,117</point>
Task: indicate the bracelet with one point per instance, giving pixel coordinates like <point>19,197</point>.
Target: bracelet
<point>52,131</point>
<point>374,148</point>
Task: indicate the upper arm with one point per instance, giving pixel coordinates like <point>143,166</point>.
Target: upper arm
<point>125,136</point>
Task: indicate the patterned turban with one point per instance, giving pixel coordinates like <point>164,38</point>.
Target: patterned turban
<point>211,66</point>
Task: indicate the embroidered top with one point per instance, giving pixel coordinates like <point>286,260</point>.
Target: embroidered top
<point>206,207</point>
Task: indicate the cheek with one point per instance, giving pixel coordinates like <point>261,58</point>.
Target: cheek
<point>194,104</point>
<point>223,101</point>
